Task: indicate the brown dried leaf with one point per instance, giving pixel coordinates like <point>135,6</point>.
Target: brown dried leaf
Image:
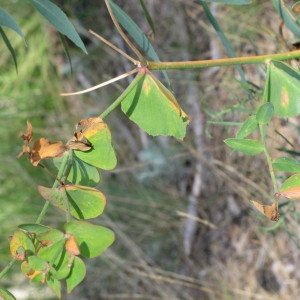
<point>270,211</point>
<point>27,137</point>
<point>42,149</point>
<point>72,246</point>
<point>89,127</point>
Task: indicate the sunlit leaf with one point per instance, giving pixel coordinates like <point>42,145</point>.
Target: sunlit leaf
<point>76,275</point>
<point>153,107</point>
<point>91,239</point>
<point>283,89</point>
<point>247,146</point>
<point>55,286</point>
<point>21,245</point>
<point>96,133</point>
<point>291,182</point>
<point>84,202</point>
<point>286,164</point>
<point>270,211</point>
<point>59,20</point>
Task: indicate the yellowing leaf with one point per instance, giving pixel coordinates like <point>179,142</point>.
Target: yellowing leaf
<point>153,107</point>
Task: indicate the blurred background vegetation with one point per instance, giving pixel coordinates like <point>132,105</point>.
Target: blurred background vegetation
<point>180,209</point>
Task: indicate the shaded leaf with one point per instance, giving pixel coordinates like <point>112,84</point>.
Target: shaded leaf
<point>247,146</point>
<point>91,239</point>
<point>153,107</point>
<point>76,275</point>
<point>55,286</point>
<point>9,47</point>
<point>9,22</point>
<point>265,113</point>
<point>35,229</point>
<point>248,127</point>
<point>59,20</point>
<point>231,2</point>
<point>84,202</point>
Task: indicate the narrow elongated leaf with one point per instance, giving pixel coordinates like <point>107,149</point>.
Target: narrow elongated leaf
<point>59,20</point>
<point>248,127</point>
<point>153,107</point>
<point>288,16</point>
<point>283,89</point>
<point>232,2</point>
<point>9,22</point>
<point>84,202</point>
<point>286,164</point>
<point>92,239</point>
<point>9,47</point>
<point>136,33</point>
<point>247,146</point>
<point>6,295</point>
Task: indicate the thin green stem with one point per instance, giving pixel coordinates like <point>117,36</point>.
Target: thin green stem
<point>260,59</point>
<point>7,268</point>
<point>262,130</point>
<point>56,183</point>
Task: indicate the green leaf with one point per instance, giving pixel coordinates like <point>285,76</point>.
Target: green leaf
<point>248,127</point>
<point>136,33</point>
<point>265,113</point>
<point>147,15</point>
<point>59,20</point>
<point>55,286</point>
<point>286,164</point>
<point>288,16</point>
<point>6,295</point>
<point>9,47</point>
<point>76,275</point>
<point>82,173</point>
<point>84,202</point>
<point>9,22</point>
<point>283,89</point>
<point>232,2</point>
<point>37,263</point>
<point>247,146</point>
<point>291,182</point>
<point>34,228</point>
<point>53,252</point>
<point>91,239</point>
<point>102,154</point>
<point>153,107</point>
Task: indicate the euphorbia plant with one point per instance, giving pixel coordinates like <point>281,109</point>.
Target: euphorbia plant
<point>51,255</point>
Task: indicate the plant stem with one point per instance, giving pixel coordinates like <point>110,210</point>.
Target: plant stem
<point>56,183</point>
<point>7,268</point>
<point>262,129</point>
<point>260,59</point>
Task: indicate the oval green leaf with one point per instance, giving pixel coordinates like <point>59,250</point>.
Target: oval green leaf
<point>59,20</point>
<point>55,286</point>
<point>265,113</point>
<point>91,239</point>
<point>283,89</point>
<point>149,104</point>
<point>248,127</point>
<point>247,146</point>
<point>76,275</point>
<point>291,182</point>
<point>84,202</point>
<point>286,164</point>
<point>21,246</point>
